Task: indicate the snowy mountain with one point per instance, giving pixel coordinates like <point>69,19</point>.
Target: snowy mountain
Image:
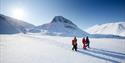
<point>59,26</point>
<point>9,25</point>
<point>117,28</point>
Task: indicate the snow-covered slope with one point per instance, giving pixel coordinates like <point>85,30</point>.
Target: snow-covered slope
<point>60,26</point>
<point>54,49</point>
<point>10,25</point>
<point>117,28</point>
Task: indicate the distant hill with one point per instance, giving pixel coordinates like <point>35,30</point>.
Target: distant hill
<point>9,25</point>
<point>117,28</point>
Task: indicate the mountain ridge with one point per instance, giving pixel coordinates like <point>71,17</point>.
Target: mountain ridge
<point>117,28</point>
<point>9,25</point>
<point>61,27</point>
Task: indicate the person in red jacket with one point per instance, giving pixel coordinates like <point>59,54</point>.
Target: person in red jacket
<point>84,43</point>
<point>74,44</point>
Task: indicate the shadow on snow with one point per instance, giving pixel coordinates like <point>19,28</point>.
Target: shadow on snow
<point>117,53</point>
<point>82,52</point>
<point>103,52</point>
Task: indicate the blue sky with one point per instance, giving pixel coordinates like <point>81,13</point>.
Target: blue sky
<point>84,13</point>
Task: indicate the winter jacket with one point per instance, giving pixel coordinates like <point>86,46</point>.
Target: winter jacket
<point>74,42</point>
<point>84,43</point>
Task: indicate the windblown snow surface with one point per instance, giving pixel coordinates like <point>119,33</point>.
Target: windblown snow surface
<point>33,48</point>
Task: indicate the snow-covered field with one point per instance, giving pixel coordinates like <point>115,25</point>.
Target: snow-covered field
<point>30,48</point>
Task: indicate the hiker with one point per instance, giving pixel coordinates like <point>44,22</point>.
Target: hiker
<point>84,43</point>
<point>74,44</point>
<point>87,42</point>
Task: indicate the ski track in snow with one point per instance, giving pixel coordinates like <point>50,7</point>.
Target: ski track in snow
<point>99,55</point>
<point>94,52</point>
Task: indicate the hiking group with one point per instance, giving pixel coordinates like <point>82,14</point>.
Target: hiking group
<point>85,42</point>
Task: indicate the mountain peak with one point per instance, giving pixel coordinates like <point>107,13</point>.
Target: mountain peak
<point>60,26</point>
<point>58,19</point>
<point>61,19</point>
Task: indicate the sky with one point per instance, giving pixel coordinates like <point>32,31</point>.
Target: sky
<point>84,13</point>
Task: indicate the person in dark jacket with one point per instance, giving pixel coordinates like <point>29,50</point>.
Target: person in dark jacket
<point>87,42</point>
<point>84,43</point>
<point>74,44</point>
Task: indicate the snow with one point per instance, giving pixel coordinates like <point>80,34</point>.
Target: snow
<point>117,28</point>
<point>9,25</point>
<point>59,26</point>
<point>36,48</point>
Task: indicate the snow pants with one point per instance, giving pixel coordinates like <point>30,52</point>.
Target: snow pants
<point>74,47</point>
